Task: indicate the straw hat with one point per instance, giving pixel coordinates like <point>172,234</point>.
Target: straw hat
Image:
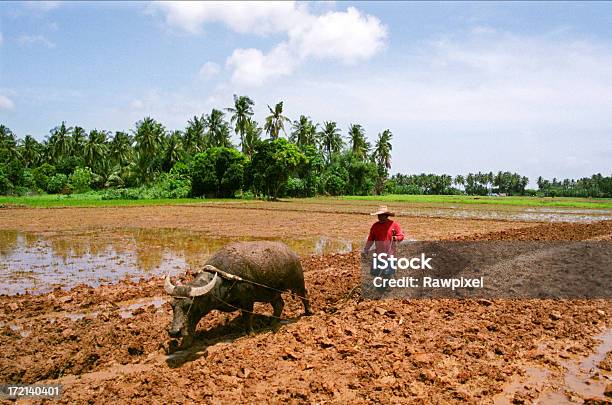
<point>382,209</point>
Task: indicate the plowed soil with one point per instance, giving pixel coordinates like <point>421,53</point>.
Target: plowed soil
<point>109,344</point>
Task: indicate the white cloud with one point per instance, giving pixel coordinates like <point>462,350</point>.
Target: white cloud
<point>209,70</point>
<point>347,36</point>
<point>1,38</point>
<point>251,67</point>
<point>6,103</point>
<point>34,40</point>
<point>243,17</point>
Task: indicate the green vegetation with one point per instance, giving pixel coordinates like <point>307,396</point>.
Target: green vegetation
<point>153,162</point>
<point>91,199</point>
<point>99,199</point>
<point>595,203</point>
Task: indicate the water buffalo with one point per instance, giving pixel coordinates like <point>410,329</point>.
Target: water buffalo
<point>271,264</point>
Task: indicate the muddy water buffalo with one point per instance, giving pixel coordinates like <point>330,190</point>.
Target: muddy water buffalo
<point>272,264</point>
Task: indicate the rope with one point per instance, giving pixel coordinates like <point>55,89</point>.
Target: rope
<point>244,310</point>
<point>238,278</point>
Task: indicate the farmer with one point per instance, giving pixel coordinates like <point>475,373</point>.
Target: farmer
<point>383,234</point>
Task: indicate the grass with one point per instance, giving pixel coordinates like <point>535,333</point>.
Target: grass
<point>569,202</point>
<point>95,200</point>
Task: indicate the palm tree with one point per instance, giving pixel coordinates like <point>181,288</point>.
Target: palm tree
<point>304,132</point>
<point>78,141</point>
<point>382,149</point>
<point>173,151</point>
<point>252,135</point>
<point>359,146</point>
<point>275,121</point>
<point>218,129</point>
<point>8,145</point>
<point>459,180</point>
<point>330,139</point>
<point>194,140</point>
<point>382,156</point>
<point>148,136</point>
<point>242,111</point>
<point>60,142</point>
<point>30,151</point>
<point>120,149</point>
<point>95,149</point>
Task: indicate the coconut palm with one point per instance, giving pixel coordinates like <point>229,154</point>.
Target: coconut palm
<point>78,141</point>
<point>382,149</point>
<point>194,140</point>
<point>275,122</point>
<point>218,129</point>
<point>30,151</point>
<point>60,142</point>
<point>304,132</point>
<point>148,136</point>
<point>95,149</point>
<point>173,150</point>
<point>359,146</point>
<point>330,139</point>
<point>252,135</point>
<point>8,145</point>
<point>241,112</point>
<point>120,149</point>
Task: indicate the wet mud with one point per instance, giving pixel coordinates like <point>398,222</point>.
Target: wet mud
<point>109,343</point>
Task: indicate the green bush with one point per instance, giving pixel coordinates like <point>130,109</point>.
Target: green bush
<point>121,194</point>
<point>295,187</point>
<point>217,172</point>
<point>57,183</point>
<point>42,174</point>
<point>335,185</point>
<point>6,187</point>
<point>80,179</point>
<point>272,164</point>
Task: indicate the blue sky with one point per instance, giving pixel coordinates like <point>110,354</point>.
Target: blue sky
<point>518,86</point>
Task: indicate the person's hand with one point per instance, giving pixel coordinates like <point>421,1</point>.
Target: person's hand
<point>364,254</point>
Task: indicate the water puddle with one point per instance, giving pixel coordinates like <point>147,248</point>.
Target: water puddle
<point>534,376</point>
<point>39,262</point>
<point>513,214</point>
<point>582,379</point>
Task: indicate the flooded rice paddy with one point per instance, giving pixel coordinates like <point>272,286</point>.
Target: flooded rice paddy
<point>40,262</point>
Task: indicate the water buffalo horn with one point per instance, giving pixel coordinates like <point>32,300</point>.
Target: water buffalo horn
<point>197,291</point>
<point>168,285</point>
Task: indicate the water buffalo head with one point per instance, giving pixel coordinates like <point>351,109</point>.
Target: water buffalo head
<point>190,302</point>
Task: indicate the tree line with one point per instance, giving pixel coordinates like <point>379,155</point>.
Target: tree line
<point>297,158</point>
<point>500,183</point>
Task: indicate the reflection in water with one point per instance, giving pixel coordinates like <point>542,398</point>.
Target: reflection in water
<point>510,213</point>
<point>40,262</point>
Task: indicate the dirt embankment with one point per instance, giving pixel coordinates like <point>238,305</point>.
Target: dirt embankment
<point>601,230</point>
<point>264,220</point>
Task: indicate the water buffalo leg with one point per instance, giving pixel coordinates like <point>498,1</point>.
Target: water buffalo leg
<point>278,304</point>
<point>247,317</point>
<point>302,293</point>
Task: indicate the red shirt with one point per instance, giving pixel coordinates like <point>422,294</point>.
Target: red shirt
<point>381,233</point>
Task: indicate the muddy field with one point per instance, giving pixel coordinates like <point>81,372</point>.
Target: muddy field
<point>109,343</point>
